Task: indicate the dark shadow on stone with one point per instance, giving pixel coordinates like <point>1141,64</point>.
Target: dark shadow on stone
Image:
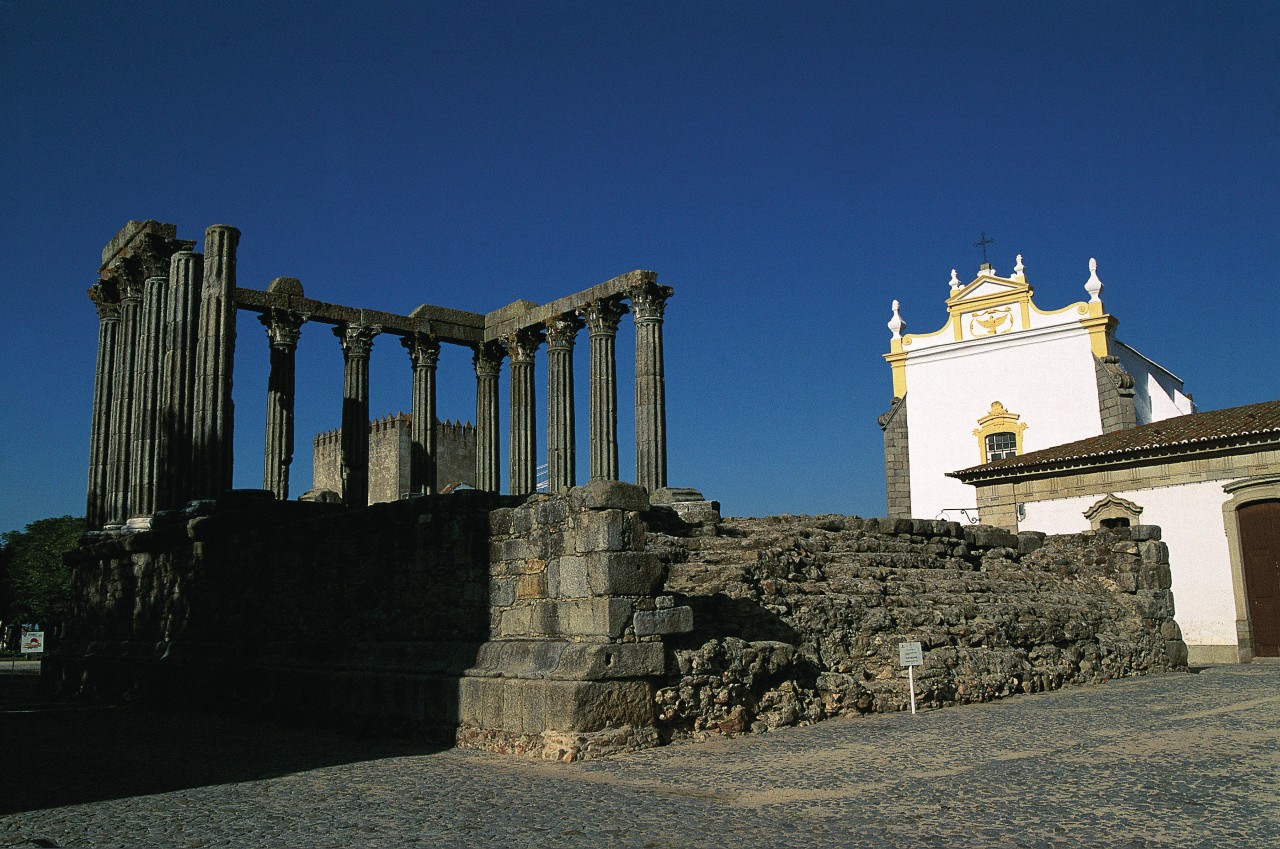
<point>718,616</point>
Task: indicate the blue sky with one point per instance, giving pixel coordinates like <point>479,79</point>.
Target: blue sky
<point>790,168</point>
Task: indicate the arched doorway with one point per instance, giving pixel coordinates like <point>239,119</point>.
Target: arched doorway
<point>1260,565</point>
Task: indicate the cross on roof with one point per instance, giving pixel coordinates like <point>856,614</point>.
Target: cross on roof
<point>982,242</point>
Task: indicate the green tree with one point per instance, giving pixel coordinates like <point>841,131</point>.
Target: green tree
<point>36,581</point>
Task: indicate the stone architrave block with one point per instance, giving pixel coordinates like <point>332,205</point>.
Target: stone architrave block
<point>481,702</point>
<point>593,705</point>
<point>609,495</point>
<point>623,573</point>
<point>516,622</point>
<point>602,530</point>
<point>698,512</point>
<point>524,705</point>
<point>571,577</point>
<point>672,620</point>
<point>593,661</point>
<point>1139,533</point>
<point>502,591</point>
<point>594,617</point>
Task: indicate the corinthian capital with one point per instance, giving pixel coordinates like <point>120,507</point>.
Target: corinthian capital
<point>649,301</point>
<point>283,327</point>
<point>562,331</point>
<point>357,339</point>
<point>522,345</point>
<point>423,348</point>
<point>487,360</point>
<point>603,316</point>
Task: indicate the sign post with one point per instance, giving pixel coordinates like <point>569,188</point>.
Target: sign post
<point>911,655</point>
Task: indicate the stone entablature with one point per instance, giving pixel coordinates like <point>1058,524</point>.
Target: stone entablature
<point>163,421</point>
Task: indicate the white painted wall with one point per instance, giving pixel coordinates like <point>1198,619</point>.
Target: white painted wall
<point>1157,392</point>
<point>1190,518</point>
<point>1045,376</point>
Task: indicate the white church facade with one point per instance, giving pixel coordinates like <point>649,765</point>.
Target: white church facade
<point>1002,377</point>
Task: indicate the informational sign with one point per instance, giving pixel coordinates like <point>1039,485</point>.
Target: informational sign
<point>33,642</point>
<point>911,655</point>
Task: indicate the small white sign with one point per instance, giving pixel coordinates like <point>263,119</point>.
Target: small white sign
<point>910,654</point>
<point>33,642</point>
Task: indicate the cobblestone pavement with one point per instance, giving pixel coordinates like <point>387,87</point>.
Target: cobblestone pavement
<point>1179,760</point>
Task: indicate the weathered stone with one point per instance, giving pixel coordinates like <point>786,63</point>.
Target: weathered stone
<point>672,620</point>
<point>623,573</point>
<point>609,495</point>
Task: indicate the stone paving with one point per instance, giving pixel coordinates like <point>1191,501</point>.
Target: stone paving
<point>1177,760</point>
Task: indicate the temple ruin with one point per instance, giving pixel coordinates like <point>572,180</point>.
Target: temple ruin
<point>166,350</point>
<point>564,624</point>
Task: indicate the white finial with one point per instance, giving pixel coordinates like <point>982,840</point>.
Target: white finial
<point>955,280</point>
<point>1093,286</point>
<point>896,324</point>
<point>1019,270</point>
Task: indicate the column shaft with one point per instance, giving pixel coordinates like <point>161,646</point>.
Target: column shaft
<point>561,334</point>
<point>103,387</point>
<point>122,403</point>
<point>648,303</point>
<point>602,323</point>
<point>424,353</point>
<point>357,343</point>
<point>283,329</point>
<point>523,450</point>
<point>215,416</point>
<point>176,452</point>
<point>488,365</point>
<point>146,397</point>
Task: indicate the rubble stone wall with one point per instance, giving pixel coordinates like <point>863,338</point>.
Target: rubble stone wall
<point>798,618</point>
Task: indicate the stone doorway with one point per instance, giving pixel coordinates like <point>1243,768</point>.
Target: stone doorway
<point>1260,559</point>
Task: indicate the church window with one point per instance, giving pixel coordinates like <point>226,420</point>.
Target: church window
<point>1001,445</point>
<point>999,434</point>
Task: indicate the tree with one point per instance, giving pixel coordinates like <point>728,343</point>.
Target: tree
<point>35,584</point>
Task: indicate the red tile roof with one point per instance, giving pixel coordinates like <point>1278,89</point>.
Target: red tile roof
<point>1234,425</point>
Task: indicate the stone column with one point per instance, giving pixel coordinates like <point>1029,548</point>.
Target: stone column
<point>105,298</point>
<point>523,451</point>
<point>357,343</point>
<point>424,353</point>
<point>177,424</point>
<point>215,354</point>
<point>283,329</point>
<point>122,400</point>
<point>562,331</point>
<point>146,397</point>
<point>488,364</point>
<point>648,301</point>
<point>602,324</point>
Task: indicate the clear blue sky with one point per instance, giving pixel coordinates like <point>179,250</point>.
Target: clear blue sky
<point>790,168</point>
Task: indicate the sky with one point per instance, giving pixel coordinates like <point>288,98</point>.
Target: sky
<point>788,168</point>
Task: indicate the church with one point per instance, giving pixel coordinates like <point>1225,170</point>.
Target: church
<point>1034,420</point>
<point>1002,377</point>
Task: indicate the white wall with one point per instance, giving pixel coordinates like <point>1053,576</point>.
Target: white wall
<point>1157,393</point>
<point>1190,518</point>
<point>1045,376</point>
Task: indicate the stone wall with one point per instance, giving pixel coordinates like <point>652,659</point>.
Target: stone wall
<point>569,626</point>
<point>799,618</point>
<point>897,459</point>
<point>520,625</point>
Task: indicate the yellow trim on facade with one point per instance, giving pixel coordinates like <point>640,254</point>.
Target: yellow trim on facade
<point>998,420</point>
<point>898,363</point>
<point>1100,329</point>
